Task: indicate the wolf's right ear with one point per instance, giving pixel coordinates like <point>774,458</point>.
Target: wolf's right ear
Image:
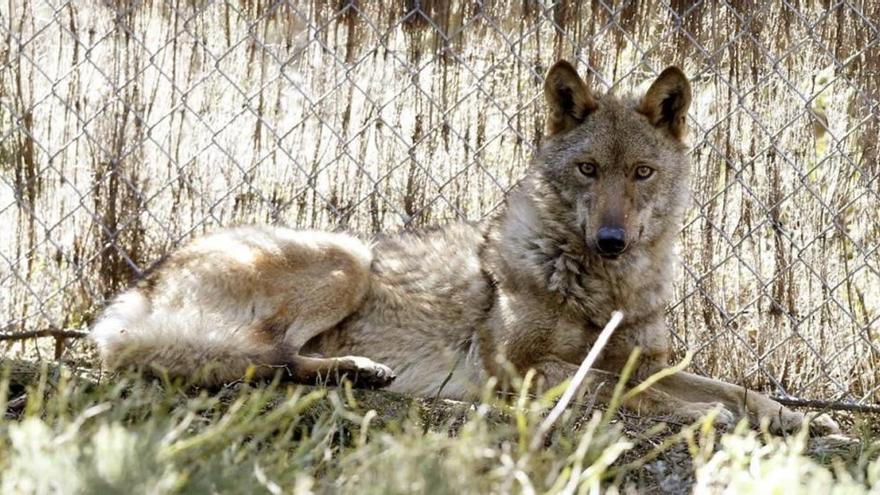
<point>568,98</point>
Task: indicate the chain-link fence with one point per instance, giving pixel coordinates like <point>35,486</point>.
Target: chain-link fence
<point>127,127</point>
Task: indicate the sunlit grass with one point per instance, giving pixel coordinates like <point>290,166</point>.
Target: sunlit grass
<point>128,434</point>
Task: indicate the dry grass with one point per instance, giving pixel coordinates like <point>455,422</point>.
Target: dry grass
<point>85,433</point>
<point>123,133</point>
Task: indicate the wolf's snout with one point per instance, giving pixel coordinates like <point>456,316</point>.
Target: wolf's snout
<point>611,241</point>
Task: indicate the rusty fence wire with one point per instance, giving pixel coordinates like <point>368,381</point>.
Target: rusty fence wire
<point>127,127</point>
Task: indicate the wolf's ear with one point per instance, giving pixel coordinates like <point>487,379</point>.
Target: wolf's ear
<point>667,100</point>
<point>568,98</point>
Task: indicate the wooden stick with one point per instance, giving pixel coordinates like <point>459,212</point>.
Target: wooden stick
<point>829,404</point>
<point>48,332</point>
<point>576,381</point>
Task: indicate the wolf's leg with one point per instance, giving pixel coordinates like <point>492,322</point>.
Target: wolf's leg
<point>690,397</point>
<point>363,372</point>
<point>330,284</point>
<point>322,282</point>
<point>695,388</point>
<point>600,384</point>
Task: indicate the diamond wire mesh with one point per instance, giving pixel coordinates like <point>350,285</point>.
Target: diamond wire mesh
<point>128,127</point>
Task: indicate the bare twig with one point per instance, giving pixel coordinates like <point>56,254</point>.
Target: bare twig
<point>47,332</point>
<point>829,405</point>
<point>576,381</point>
<point>16,404</point>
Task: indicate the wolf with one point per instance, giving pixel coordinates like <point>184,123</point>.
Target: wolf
<point>591,229</point>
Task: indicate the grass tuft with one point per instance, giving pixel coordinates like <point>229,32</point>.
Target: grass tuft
<point>129,434</point>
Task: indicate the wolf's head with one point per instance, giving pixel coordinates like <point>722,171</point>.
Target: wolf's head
<point>620,166</point>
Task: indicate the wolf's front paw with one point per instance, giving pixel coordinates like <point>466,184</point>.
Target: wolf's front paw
<point>366,373</point>
<point>785,420</point>
<point>822,425</point>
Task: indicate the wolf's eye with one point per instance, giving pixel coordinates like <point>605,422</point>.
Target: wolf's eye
<point>587,168</point>
<point>643,172</point>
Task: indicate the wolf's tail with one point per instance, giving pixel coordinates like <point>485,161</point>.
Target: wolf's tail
<point>130,334</point>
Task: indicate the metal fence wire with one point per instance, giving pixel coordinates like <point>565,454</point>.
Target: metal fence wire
<point>127,127</point>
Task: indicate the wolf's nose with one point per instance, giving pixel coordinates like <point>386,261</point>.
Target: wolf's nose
<point>611,241</point>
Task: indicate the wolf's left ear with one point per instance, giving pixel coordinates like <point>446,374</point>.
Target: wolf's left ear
<point>568,99</point>
<point>667,100</point>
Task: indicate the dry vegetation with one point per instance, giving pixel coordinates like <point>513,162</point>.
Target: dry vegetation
<point>68,431</point>
<point>126,130</point>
